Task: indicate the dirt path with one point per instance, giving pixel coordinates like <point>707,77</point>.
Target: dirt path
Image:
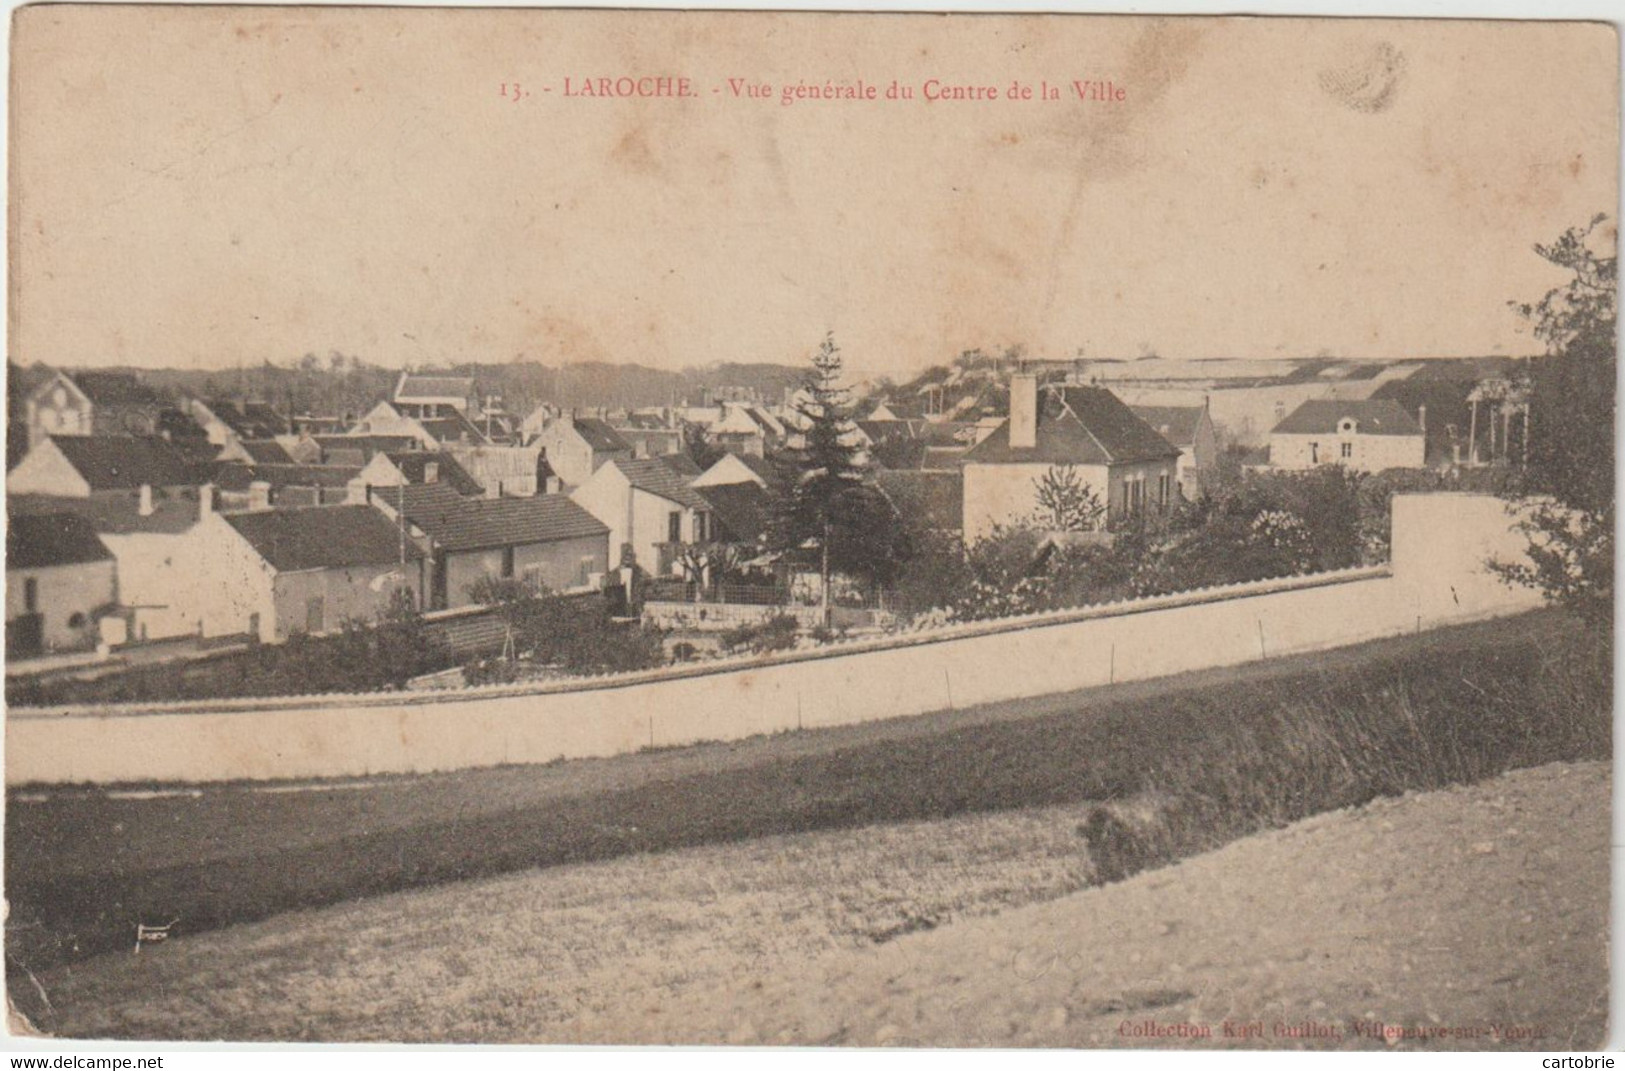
<point>1479,913</point>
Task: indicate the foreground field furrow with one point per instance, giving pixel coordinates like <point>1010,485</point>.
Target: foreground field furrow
<point>873,835</point>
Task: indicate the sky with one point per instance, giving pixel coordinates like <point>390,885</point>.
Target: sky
<point>214,186</point>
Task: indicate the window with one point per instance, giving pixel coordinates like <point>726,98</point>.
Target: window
<point>584,571</point>
<point>532,577</point>
<point>31,595</point>
<point>1162,489</point>
<point>1348,450</point>
<point>315,614</point>
<point>674,527</point>
<point>1314,453</point>
<point>507,563</point>
<point>76,620</point>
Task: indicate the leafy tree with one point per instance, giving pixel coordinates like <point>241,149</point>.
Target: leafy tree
<point>701,450</point>
<point>1570,430</point>
<point>1066,503</point>
<point>826,508</point>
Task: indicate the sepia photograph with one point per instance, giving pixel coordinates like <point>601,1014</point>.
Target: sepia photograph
<point>832,530</point>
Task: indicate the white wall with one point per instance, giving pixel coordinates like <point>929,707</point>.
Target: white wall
<point>45,471</point>
<point>1367,453</point>
<point>1440,543</point>
<point>1006,494</point>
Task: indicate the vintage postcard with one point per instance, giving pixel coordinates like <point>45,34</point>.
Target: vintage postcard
<point>805,529</point>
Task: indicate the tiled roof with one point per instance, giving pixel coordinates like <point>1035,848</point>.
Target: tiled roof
<point>236,476</point>
<point>742,511</point>
<point>682,464</point>
<point>267,452</point>
<point>599,435</point>
<point>1176,423</point>
<point>658,478</point>
<point>927,500</point>
<point>173,512</point>
<point>108,462</point>
<point>486,523</point>
<point>41,540</point>
<point>427,388</point>
<point>452,429</point>
<point>323,537</point>
<point>115,389</point>
<point>414,466</point>
<point>250,420</point>
<point>1372,417</point>
<point>368,445</point>
<point>1078,426</point>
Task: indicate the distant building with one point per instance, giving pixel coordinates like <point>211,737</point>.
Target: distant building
<point>1362,436</point>
<point>1190,428</point>
<point>735,468</point>
<point>59,576</point>
<point>417,467</point>
<point>1127,464</point>
<point>577,447</point>
<point>428,396</point>
<point>92,403</point>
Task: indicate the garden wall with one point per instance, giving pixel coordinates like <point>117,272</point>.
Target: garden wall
<point>1437,577</point>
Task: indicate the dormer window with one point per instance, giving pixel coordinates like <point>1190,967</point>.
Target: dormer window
<point>1347,426</point>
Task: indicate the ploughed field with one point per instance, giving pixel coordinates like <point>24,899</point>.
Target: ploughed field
<point>1192,762</point>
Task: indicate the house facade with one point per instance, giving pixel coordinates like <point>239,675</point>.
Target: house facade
<point>1190,428</point>
<point>1086,430</point>
<point>59,577</point>
<point>547,541</point>
<point>272,574</point>
<point>648,508</point>
<point>1361,436</point>
<point>577,447</point>
<point>92,403</point>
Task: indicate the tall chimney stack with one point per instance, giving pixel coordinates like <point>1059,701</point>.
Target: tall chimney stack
<point>145,507</point>
<point>1023,411</point>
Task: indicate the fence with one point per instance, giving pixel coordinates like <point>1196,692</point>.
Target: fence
<point>1440,543</point>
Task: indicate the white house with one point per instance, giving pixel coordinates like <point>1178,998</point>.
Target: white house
<point>576,447</point>
<point>648,507</point>
<point>1362,436</point>
<point>732,468</point>
<point>1085,429</point>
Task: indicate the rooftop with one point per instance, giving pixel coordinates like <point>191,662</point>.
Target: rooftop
<point>323,537</point>
<point>1078,426</point>
<point>463,524</point>
<point>658,478</point>
<point>1380,416</point>
<point>42,540</point>
<point>109,462</point>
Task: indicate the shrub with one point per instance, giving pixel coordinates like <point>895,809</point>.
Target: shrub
<point>777,633</point>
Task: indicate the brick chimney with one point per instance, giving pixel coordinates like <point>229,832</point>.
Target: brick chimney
<point>1422,416</point>
<point>145,508</point>
<point>1023,411</point>
<point>259,495</point>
